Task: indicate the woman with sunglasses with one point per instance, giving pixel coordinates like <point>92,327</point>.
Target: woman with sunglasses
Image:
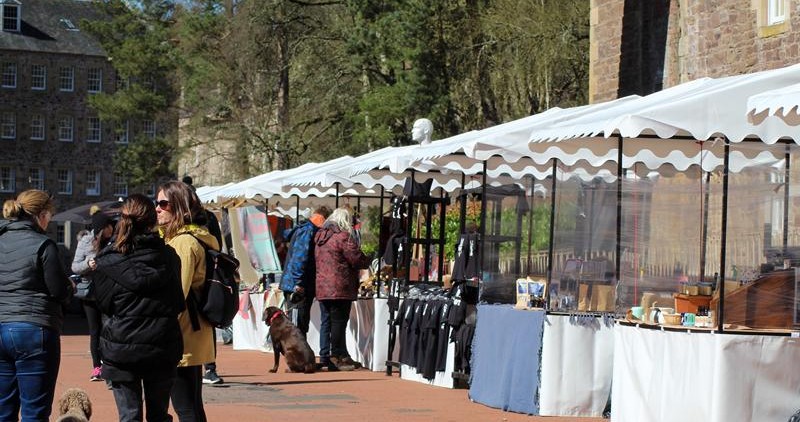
<point>33,289</point>
<point>137,284</point>
<point>182,220</point>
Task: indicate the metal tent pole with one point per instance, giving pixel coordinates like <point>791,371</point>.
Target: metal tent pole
<point>704,238</point>
<point>620,175</point>
<point>551,247</point>
<point>786,178</point>
<point>483,221</point>
<point>378,249</point>
<point>528,264</point>
<point>724,237</point>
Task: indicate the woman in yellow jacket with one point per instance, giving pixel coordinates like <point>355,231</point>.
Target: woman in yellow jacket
<point>181,219</point>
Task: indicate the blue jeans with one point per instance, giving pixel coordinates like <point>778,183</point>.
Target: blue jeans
<point>324,334</point>
<point>30,356</point>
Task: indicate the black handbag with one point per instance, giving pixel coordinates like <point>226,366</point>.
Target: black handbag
<point>84,289</point>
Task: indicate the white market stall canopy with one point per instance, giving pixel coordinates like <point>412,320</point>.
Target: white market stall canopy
<point>580,141</point>
<point>783,103</point>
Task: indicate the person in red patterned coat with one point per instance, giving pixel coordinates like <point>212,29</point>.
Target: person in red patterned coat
<point>338,259</point>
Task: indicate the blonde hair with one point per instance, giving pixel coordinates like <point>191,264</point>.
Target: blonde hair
<point>28,204</point>
<point>340,217</point>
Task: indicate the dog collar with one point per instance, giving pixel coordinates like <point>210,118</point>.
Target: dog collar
<point>275,315</point>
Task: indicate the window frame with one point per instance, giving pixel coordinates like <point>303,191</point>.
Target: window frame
<point>120,185</point>
<point>71,128</point>
<point>43,127</point>
<point>43,77</point>
<point>95,181</point>
<point>91,130</point>
<point>62,78</point>
<point>149,128</point>
<point>17,21</point>
<point>13,75</point>
<point>12,182</point>
<point>39,178</point>
<point>772,9</point>
<point>90,81</point>
<point>12,124</point>
<point>64,185</point>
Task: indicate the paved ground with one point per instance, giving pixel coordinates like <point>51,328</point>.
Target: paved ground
<point>250,393</point>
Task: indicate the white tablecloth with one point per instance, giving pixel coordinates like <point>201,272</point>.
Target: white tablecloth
<point>576,366</point>
<point>367,331</point>
<point>699,376</point>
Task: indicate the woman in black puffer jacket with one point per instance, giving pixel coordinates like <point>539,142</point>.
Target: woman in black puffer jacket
<point>138,287</point>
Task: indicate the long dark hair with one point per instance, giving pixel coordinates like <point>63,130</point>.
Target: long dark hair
<point>137,216</point>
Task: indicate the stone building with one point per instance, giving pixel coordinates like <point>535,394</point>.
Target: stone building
<point>639,47</point>
<point>50,136</point>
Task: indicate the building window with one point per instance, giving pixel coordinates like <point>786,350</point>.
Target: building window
<point>61,233</point>
<point>122,133</point>
<point>65,129</point>
<point>95,80</point>
<point>8,125</point>
<point>149,128</point>
<point>37,127</point>
<point>66,79</point>
<point>36,178</point>
<point>6,179</point>
<point>94,130</point>
<point>65,182</point>
<point>38,77</point>
<point>120,185</point>
<point>776,12</point>
<point>92,183</point>
<point>9,79</point>
<point>11,16</point>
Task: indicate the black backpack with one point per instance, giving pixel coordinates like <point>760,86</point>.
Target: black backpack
<point>219,300</point>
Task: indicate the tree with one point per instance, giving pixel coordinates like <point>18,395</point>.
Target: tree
<point>139,45</point>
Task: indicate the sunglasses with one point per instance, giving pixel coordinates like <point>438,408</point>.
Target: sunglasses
<point>162,203</point>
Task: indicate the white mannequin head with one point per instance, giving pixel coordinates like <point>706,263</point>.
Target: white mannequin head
<point>421,132</point>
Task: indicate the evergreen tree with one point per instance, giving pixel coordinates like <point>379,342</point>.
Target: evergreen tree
<point>139,45</point>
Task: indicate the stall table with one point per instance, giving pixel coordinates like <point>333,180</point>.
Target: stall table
<point>530,362</point>
<point>666,374</point>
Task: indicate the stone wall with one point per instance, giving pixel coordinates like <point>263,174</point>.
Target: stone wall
<point>704,38</point>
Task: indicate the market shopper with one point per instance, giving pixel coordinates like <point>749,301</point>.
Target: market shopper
<point>33,290</point>
<point>181,220</point>
<point>298,281</point>
<point>338,259</point>
<point>82,263</point>
<point>137,284</point>
<point>210,375</point>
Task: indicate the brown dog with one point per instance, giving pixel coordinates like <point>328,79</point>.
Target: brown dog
<point>288,340</point>
<point>74,406</point>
